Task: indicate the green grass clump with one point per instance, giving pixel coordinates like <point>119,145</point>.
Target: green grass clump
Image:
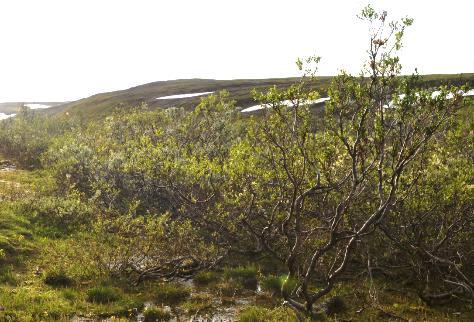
<point>58,279</point>
<point>260,314</point>
<point>272,284</point>
<point>240,272</point>
<point>198,303</point>
<point>7,276</point>
<point>171,293</point>
<point>156,314</point>
<point>229,289</point>
<point>206,278</point>
<point>102,294</point>
<point>70,295</point>
<point>243,275</point>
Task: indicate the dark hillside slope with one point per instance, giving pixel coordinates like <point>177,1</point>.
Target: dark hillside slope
<point>239,90</point>
<point>100,105</point>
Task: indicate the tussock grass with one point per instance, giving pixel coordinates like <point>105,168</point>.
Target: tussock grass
<point>170,293</point>
<point>102,294</point>
<point>245,276</point>
<point>58,279</point>
<point>206,278</point>
<point>156,314</point>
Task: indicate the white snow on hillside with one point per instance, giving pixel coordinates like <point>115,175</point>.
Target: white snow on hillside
<point>35,106</point>
<point>287,103</point>
<point>4,116</point>
<point>170,97</point>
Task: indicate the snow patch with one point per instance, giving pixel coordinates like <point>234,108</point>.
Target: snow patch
<point>170,97</point>
<point>286,102</point>
<point>4,116</point>
<point>35,106</point>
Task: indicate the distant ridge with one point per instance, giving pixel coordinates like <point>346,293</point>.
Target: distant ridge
<point>13,107</point>
<point>101,105</point>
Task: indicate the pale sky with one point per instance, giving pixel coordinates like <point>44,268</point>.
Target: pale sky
<point>57,50</point>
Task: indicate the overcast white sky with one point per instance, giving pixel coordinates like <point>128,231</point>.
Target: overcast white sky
<point>55,50</point>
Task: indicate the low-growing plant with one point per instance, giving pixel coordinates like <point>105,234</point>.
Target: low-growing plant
<point>57,216</point>
<point>229,289</point>
<point>260,314</point>
<point>7,276</point>
<point>9,316</point>
<point>272,284</point>
<point>243,275</point>
<point>70,294</point>
<point>102,294</point>
<point>156,314</point>
<point>333,305</point>
<point>198,303</point>
<point>170,293</point>
<point>58,279</point>
<point>206,277</point>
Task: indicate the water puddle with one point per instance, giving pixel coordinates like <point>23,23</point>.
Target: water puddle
<point>7,165</point>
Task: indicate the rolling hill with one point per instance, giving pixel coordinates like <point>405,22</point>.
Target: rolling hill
<point>100,105</point>
<point>239,90</point>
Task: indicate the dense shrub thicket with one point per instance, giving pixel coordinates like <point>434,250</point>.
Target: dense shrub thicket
<point>26,136</point>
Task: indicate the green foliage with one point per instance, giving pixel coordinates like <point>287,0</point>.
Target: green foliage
<point>7,275</point>
<point>58,279</point>
<point>60,215</point>
<point>198,303</point>
<point>246,276</point>
<point>156,314</point>
<point>15,234</point>
<point>102,294</point>
<point>170,293</point>
<point>206,277</point>
<point>229,289</point>
<point>382,175</point>
<point>26,136</point>
<point>260,314</point>
<point>273,284</point>
<point>70,294</point>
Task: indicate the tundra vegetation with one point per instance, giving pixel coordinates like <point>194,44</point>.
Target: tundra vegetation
<point>362,212</point>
